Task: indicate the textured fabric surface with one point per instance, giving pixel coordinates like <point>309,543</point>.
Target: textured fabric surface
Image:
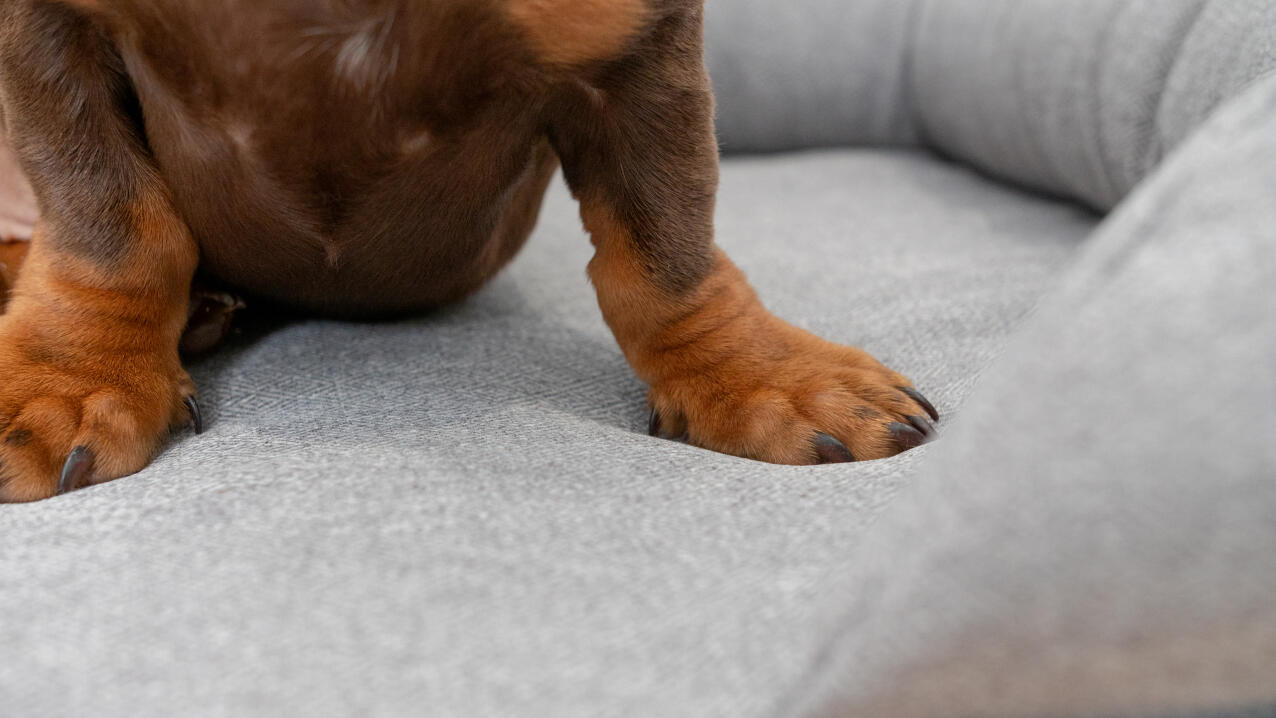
<point>1096,536</point>
<point>1081,98</point>
<point>1061,95</point>
<point>810,73</point>
<point>1231,44</point>
<point>461,514</point>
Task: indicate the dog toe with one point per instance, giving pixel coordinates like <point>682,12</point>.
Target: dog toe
<point>832,451</point>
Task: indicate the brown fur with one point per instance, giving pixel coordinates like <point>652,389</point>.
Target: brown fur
<point>90,360</point>
<point>12,254</point>
<point>575,32</point>
<point>370,158</point>
<point>729,375</point>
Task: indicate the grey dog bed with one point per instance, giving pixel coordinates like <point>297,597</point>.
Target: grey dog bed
<point>1057,217</point>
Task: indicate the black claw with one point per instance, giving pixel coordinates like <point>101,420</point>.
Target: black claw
<point>921,424</point>
<point>77,466</point>
<point>832,451</point>
<point>197,419</point>
<point>906,436</point>
<point>659,428</point>
<point>922,401</point>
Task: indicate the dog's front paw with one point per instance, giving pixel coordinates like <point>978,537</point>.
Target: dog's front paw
<point>782,395</point>
<point>82,409</point>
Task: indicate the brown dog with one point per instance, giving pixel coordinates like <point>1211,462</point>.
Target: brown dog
<point>355,157</point>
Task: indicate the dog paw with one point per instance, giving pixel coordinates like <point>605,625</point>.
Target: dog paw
<point>792,398</point>
<point>75,412</point>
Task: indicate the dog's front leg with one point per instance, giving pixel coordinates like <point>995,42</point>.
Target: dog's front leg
<point>638,149</point>
<point>91,381</point>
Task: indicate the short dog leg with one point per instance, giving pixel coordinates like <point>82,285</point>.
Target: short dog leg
<point>638,149</point>
<point>92,382</point>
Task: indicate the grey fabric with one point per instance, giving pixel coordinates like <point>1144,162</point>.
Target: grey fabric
<point>810,73</point>
<point>1231,44</point>
<point>1058,95</point>
<point>1097,536</point>
<point>1081,98</point>
<point>461,515</point>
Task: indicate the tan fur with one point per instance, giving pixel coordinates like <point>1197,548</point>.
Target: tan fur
<point>574,32</point>
<point>90,357</point>
<point>733,376</point>
<point>12,254</point>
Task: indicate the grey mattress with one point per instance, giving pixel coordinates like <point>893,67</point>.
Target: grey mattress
<point>463,512</point>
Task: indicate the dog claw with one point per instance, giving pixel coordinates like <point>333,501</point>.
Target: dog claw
<point>197,419</point>
<point>906,436</point>
<point>921,424</point>
<point>922,401</point>
<point>208,321</point>
<point>77,466</point>
<point>832,451</point>
<point>667,430</point>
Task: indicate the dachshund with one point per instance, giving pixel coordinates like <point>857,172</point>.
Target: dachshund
<point>356,158</point>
